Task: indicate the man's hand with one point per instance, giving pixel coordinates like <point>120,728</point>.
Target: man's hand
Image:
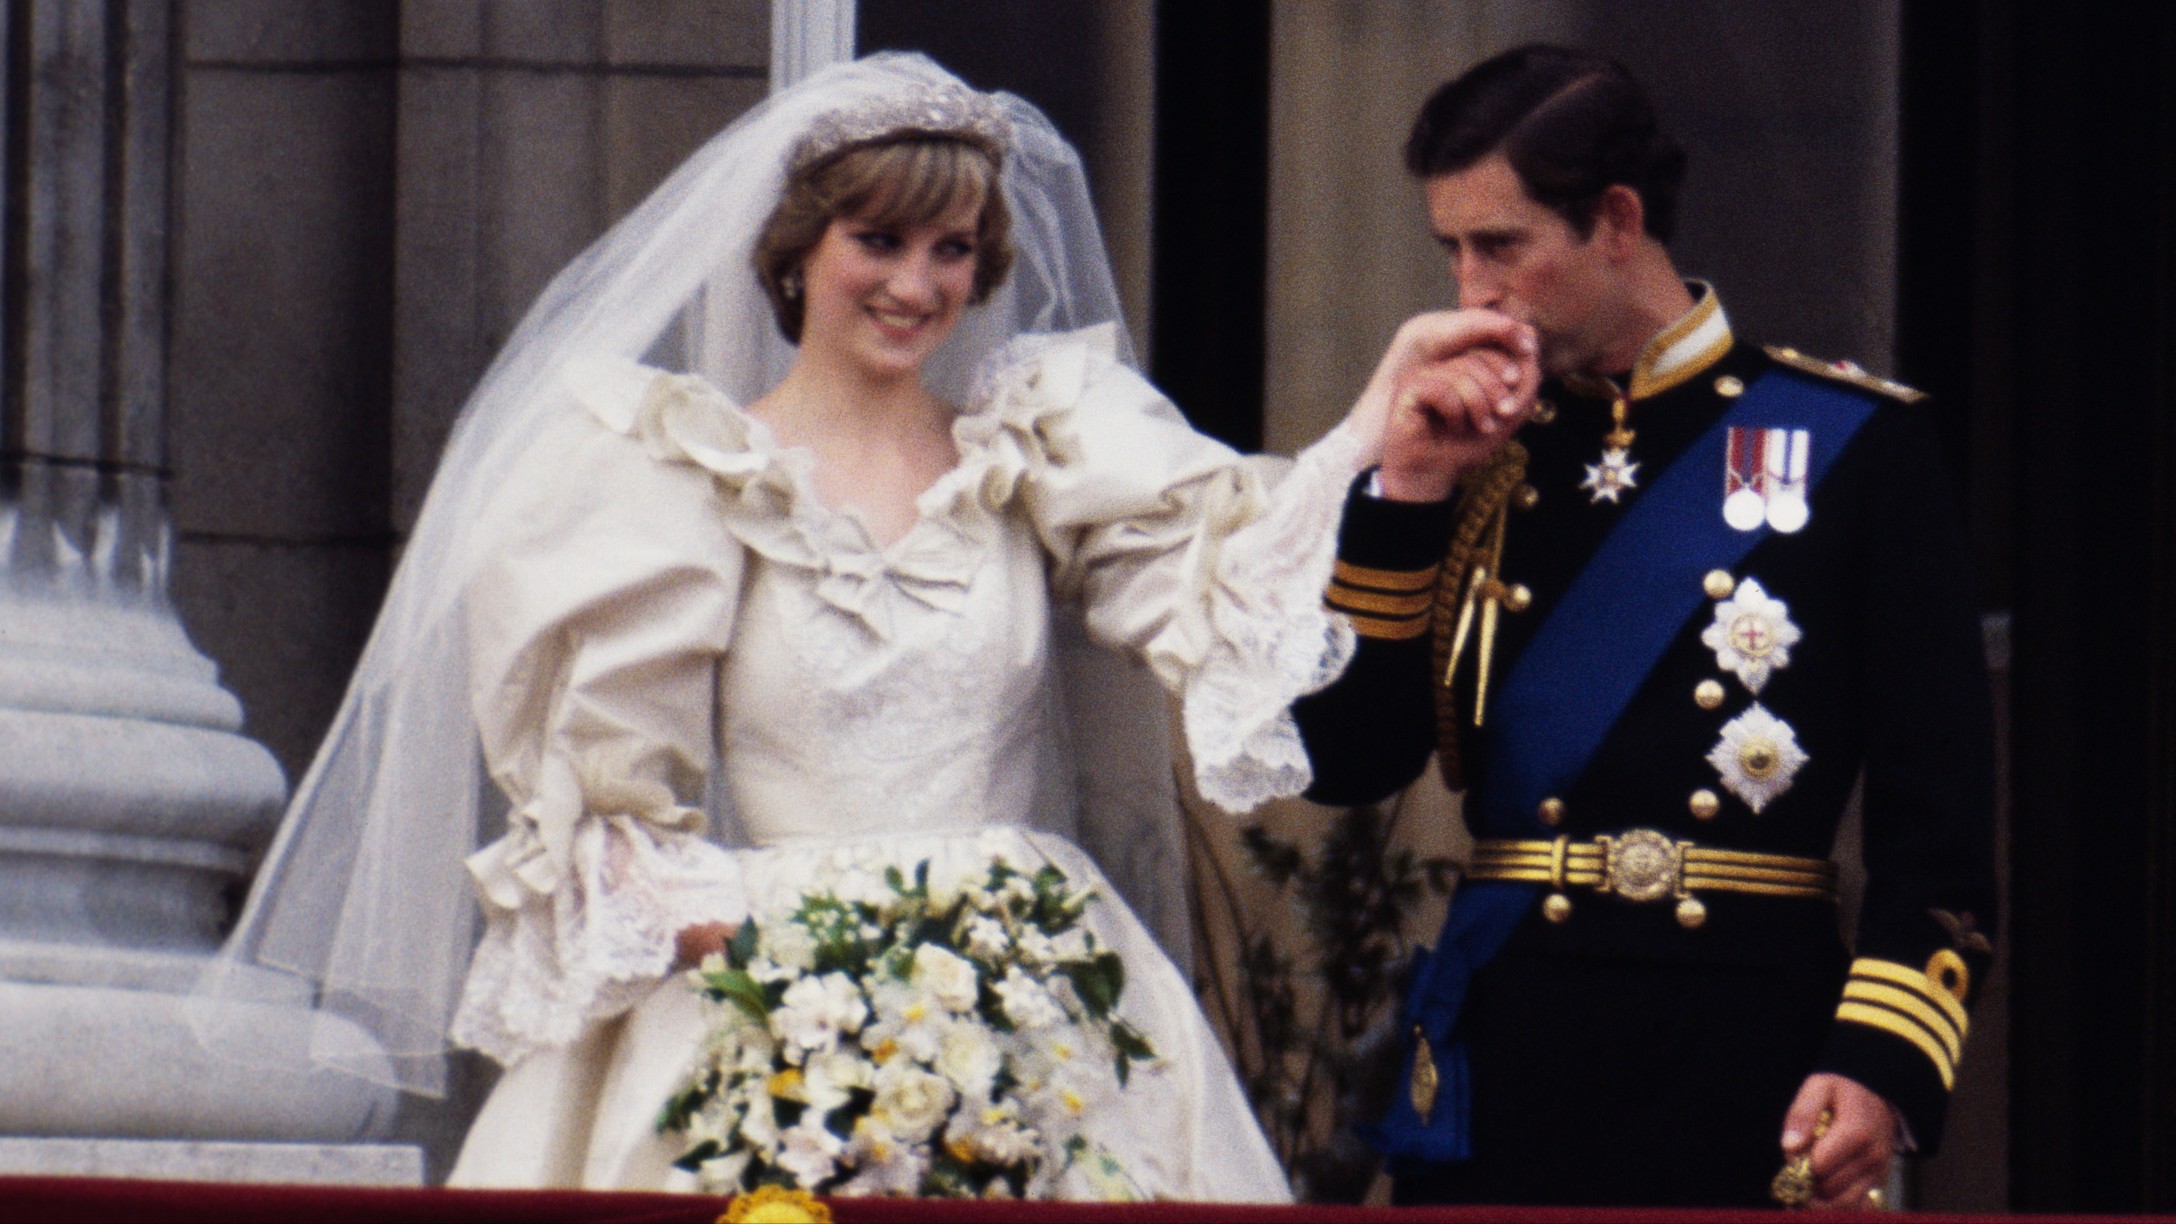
<point>693,943</point>
<point>1450,389</point>
<point>1450,416</point>
<point>1852,1158</point>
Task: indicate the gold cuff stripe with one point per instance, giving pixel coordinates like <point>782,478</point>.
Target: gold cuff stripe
<point>1401,582</point>
<point>1862,991</point>
<point>1918,983</point>
<point>1357,599</point>
<point>1386,630</point>
<point>1902,1026</point>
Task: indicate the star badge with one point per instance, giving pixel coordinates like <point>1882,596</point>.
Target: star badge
<point>1752,635</point>
<point>1757,757</point>
<point>1606,481</point>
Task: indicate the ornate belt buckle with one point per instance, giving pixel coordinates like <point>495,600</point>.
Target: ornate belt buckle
<point>1641,865</point>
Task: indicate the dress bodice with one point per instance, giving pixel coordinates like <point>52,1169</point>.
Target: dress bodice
<point>947,721</point>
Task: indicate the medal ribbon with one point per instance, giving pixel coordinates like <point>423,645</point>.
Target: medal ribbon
<point>1567,689</point>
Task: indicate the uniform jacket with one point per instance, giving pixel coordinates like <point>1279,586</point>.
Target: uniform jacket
<point>1884,686</point>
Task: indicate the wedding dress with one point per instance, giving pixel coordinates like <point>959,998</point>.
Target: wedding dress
<point>695,687</point>
<point>672,575</point>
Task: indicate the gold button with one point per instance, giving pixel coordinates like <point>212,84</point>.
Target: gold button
<point>1527,497</point>
<point>1708,694</point>
<point>1729,387</point>
<point>1517,598</point>
<point>1691,914</point>
<point>1544,412</point>
<point>1718,584</point>
<point>1551,812</point>
<point>1556,907</point>
<point>1704,804</point>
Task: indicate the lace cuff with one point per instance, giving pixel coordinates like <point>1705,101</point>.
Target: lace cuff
<point>565,945</point>
<point>1274,639</point>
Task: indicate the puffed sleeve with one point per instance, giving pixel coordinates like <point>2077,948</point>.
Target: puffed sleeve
<point>1208,566</point>
<point>595,626</point>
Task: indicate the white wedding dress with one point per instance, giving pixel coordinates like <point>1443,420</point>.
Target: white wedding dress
<point>670,588</point>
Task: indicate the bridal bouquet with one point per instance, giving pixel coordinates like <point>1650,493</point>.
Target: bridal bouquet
<point>894,1038</point>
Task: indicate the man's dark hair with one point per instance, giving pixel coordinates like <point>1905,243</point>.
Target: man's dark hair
<point>1570,123</point>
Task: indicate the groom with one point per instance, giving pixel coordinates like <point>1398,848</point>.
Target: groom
<point>1656,637</point>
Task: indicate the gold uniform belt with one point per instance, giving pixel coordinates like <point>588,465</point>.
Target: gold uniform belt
<point>1642,865</point>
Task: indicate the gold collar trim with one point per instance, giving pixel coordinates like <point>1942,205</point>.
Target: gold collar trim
<point>1679,352</point>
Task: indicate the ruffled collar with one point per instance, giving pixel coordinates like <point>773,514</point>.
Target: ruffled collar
<point>1017,422</point>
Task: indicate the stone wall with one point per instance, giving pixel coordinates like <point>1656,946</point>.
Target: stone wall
<point>367,196</point>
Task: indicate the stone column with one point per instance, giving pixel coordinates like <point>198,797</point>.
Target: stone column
<point>131,810</point>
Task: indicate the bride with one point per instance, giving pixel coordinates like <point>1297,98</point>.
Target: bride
<point>752,555</point>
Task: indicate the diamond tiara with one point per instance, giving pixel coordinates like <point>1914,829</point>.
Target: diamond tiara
<point>925,110</point>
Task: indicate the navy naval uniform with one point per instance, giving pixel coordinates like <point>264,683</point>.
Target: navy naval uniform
<point>1666,965</point>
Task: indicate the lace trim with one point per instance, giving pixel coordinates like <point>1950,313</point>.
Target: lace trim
<point>1275,641</point>
<point>1267,639</point>
<point>598,941</point>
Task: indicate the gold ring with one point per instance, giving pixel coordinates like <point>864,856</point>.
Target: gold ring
<point>1876,1200</point>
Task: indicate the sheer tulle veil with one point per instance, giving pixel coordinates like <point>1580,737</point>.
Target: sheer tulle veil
<point>363,894</point>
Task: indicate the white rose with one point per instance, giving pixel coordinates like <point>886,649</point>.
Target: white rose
<point>1004,1142</point>
<point>986,937</point>
<point>968,1058</point>
<point>888,1163</point>
<point>810,1152</point>
<point>815,1012</point>
<point>789,944</point>
<point>1035,947</point>
<point>911,1101</point>
<point>951,979</point>
<point>829,1079</point>
<point>1026,1002</point>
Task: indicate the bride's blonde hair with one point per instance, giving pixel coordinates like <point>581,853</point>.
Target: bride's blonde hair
<point>914,180</point>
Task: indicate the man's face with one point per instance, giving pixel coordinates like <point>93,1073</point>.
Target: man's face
<point>1516,257</point>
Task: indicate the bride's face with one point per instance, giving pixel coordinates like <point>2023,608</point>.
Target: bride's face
<point>884,297</point>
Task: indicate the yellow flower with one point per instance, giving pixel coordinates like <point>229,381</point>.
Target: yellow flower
<point>884,1050</point>
<point>786,1084</point>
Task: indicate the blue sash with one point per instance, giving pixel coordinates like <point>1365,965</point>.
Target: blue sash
<point>1568,688</point>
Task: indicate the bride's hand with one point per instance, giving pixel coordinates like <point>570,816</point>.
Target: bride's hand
<point>1450,388</point>
<point>1449,417</point>
<point>693,943</point>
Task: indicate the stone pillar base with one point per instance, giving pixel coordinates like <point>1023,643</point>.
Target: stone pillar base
<point>357,1164</point>
<point>109,1061</point>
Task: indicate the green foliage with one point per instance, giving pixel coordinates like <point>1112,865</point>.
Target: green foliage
<point>1356,893</point>
<point>743,991</point>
